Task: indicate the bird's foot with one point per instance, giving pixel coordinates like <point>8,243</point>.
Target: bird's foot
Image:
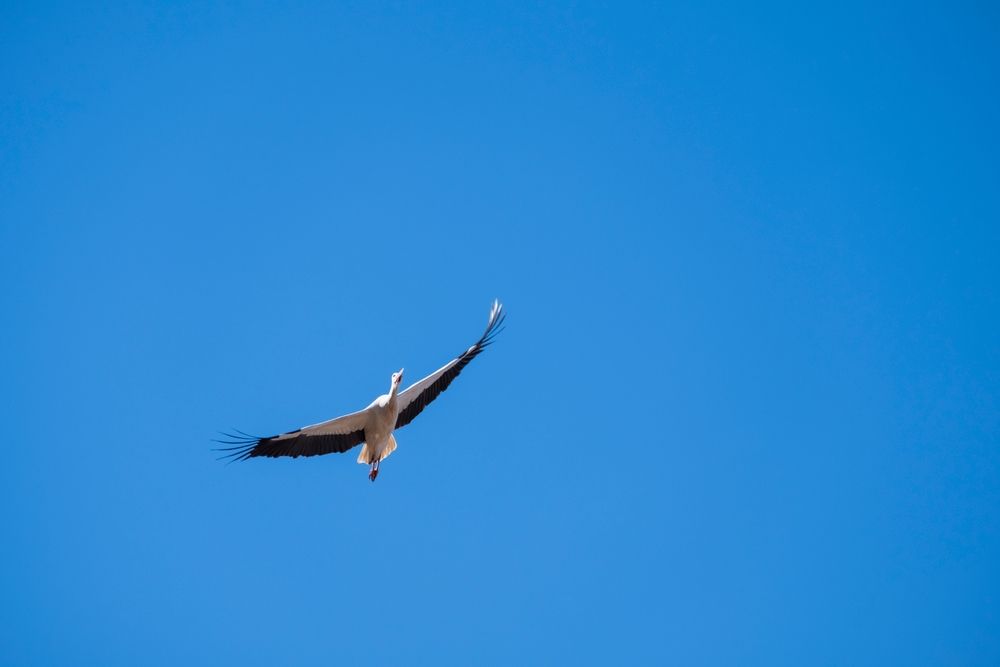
<point>373,473</point>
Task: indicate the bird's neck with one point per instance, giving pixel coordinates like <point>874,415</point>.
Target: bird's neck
<point>393,390</point>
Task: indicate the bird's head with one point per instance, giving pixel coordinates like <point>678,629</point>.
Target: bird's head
<point>397,377</point>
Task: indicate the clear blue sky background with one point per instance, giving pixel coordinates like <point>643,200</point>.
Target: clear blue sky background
<point>745,410</point>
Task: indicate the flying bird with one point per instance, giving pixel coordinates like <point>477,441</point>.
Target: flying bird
<point>373,427</point>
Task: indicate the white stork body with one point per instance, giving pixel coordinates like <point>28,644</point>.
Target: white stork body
<point>372,426</point>
<point>381,422</point>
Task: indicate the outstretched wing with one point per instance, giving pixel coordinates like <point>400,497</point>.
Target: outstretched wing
<point>336,435</point>
<point>418,396</point>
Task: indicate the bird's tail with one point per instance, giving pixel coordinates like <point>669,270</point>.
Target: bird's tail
<point>368,456</point>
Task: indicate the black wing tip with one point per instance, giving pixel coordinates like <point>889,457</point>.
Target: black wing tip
<point>241,447</point>
<point>493,329</point>
<point>495,324</point>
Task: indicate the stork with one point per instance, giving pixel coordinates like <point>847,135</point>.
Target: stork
<point>374,426</point>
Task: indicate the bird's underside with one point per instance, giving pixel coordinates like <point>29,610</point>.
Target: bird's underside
<point>373,427</point>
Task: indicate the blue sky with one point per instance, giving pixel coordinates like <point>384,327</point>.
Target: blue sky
<point>745,410</point>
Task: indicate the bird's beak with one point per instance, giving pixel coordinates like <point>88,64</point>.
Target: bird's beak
<point>400,374</point>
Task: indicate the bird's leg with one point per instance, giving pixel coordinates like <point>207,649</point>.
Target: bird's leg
<point>374,472</point>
